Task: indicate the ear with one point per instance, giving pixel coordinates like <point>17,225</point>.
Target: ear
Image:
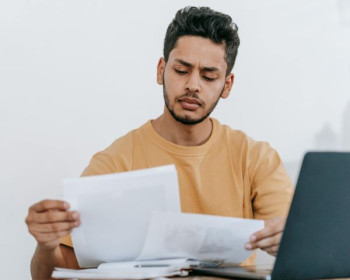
<point>228,85</point>
<point>160,70</point>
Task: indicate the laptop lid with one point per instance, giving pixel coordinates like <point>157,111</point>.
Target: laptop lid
<point>316,238</point>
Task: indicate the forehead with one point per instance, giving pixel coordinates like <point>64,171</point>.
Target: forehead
<point>199,51</point>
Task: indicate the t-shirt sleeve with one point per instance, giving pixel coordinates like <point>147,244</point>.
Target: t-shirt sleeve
<point>271,187</point>
<point>67,240</point>
<point>100,164</point>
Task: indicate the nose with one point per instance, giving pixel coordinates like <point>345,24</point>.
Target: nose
<point>193,83</point>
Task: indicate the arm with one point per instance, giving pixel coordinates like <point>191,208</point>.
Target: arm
<point>271,195</point>
<point>48,221</point>
<point>44,261</point>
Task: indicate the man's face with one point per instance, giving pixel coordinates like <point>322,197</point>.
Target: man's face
<point>194,79</point>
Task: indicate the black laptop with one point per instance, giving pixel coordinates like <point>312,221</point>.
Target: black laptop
<point>316,239</point>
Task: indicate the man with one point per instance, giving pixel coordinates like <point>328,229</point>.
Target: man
<point>221,171</point>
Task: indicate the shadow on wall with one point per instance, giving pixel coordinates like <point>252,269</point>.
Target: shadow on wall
<point>326,140</point>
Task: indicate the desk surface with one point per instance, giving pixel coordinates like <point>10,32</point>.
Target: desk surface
<point>212,278</point>
<point>218,278</point>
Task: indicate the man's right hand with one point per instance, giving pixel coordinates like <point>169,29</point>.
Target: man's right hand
<point>49,220</point>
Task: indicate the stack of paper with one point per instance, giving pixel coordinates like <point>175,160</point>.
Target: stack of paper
<point>132,227</point>
<point>120,273</point>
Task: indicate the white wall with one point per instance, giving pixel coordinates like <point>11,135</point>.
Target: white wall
<point>77,74</point>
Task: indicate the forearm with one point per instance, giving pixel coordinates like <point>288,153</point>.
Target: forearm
<point>49,221</point>
<point>43,262</point>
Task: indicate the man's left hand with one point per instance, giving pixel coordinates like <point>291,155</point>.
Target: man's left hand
<point>269,238</point>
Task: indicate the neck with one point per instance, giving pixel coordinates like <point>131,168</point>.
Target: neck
<point>182,134</point>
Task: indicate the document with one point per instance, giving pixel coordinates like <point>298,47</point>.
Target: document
<point>175,242</point>
<point>132,228</point>
<point>115,211</point>
<point>206,238</point>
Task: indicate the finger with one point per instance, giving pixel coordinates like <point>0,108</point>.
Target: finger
<point>56,227</point>
<point>272,250</point>
<point>268,242</point>
<point>268,231</point>
<point>49,237</point>
<point>264,243</point>
<point>54,217</point>
<point>45,205</point>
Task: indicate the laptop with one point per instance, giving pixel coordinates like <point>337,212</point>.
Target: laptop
<point>316,239</point>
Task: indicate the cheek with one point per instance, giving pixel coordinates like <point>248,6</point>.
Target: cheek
<point>216,89</point>
<point>172,82</point>
<point>169,76</point>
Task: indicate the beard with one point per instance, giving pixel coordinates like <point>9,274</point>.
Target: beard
<point>186,119</point>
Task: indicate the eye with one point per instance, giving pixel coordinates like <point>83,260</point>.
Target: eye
<point>208,79</point>
<point>180,72</point>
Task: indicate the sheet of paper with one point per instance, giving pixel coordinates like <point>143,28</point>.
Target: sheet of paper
<point>115,211</point>
<point>201,237</point>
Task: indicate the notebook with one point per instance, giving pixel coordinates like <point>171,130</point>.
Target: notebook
<point>316,239</point>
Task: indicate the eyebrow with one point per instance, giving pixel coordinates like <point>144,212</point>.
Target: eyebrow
<point>187,64</point>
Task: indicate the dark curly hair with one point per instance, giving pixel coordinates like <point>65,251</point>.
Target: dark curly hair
<point>206,23</point>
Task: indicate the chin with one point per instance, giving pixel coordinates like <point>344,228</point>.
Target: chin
<point>188,120</point>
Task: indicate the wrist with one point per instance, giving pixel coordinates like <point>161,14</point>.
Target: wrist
<point>42,248</point>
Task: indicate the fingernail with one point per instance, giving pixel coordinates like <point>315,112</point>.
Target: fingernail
<point>66,205</point>
<point>248,246</point>
<point>75,215</point>
<point>252,238</point>
<point>77,223</point>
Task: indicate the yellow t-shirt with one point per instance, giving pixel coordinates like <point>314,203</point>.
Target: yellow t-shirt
<point>229,175</point>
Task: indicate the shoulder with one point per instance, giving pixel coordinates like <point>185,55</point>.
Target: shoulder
<point>117,157</point>
<point>247,149</point>
<point>239,140</point>
<point>122,145</point>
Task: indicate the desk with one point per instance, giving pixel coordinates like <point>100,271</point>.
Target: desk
<point>194,277</point>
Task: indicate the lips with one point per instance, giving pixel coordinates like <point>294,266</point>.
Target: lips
<point>190,103</point>
<point>190,100</point>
